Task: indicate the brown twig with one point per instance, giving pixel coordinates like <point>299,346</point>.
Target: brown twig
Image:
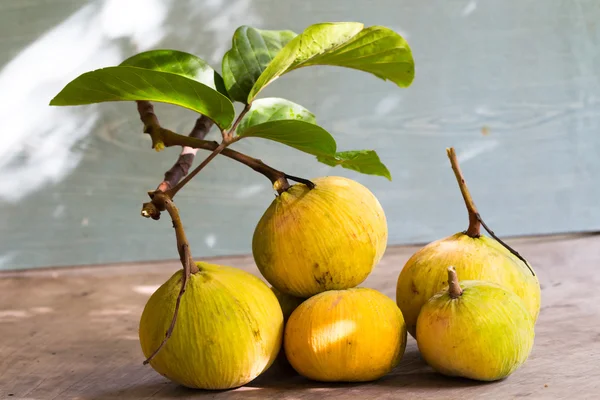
<point>150,121</point>
<point>169,138</point>
<point>475,220</point>
<point>185,278</point>
<point>228,138</point>
<point>187,155</point>
<point>163,202</point>
<point>173,191</point>
<point>513,251</point>
<point>474,226</point>
<point>177,177</point>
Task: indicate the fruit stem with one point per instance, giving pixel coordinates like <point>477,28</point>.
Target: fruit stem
<point>474,225</point>
<point>475,220</point>
<point>454,288</point>
<point>163,202</point>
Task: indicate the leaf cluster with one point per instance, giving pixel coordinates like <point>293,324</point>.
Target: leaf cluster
<point>257,58</point>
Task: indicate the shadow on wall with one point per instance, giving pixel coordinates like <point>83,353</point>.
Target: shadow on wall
<point>46,143</point>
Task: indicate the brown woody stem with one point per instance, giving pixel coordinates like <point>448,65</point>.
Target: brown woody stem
<point>474,225</point>
<point>167,138</point>
<point>454,288</point>
<point>177,177</point>
<point>163,202</point>
<point>187,155</point>
<point>475,220</point>
<point>173,191</point>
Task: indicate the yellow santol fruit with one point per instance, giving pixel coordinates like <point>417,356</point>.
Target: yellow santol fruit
<point>475,329</point>
<point>479,258</point>
<point>475,257</point>
<point>328,237</point>
<point>351,335</point>
<point>229,329</point>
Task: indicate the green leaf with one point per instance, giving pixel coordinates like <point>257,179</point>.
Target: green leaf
<point>180,63</point>
<point>363,161</point>
<point>125,83</point>
<point>251,51</point>
<point>273,109</point>
<point>301,135</point>
<point>376,50</point>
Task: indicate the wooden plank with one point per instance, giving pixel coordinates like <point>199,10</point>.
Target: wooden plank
<point>72,334</point>
<point>512,85</point>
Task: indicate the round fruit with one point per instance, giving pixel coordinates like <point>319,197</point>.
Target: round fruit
<point>228,331</point>
<point>350,335</point>
<point>477,330</point>
<point>475,257</point>
<point>328,237</point>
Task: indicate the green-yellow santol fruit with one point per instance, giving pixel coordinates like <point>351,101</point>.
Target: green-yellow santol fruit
<point>476,329</point>
<point>475,257</point>
<point>328,237</point>
<point>351,335</point>
<point>229,328</point>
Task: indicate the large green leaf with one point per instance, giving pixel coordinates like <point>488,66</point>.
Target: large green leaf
<point>125,83</point>
<point>301,135</point>
<point>273,109</point>
<point>251,51</point>
<point>363,161</point>
<point>180,63</point>
<point>376,50</point>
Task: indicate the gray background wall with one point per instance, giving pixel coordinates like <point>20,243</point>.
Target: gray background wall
<point>514,85</point>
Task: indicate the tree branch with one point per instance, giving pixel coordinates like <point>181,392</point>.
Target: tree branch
<point>177,177</point>
<point>169,138</point>
<point>173,191</point>
<point>187,155</point>
<point>228,138</point>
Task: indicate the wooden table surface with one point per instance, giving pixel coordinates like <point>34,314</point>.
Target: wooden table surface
<point>72,334</point>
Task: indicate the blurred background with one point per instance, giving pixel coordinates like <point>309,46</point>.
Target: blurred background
<point>513,85</point>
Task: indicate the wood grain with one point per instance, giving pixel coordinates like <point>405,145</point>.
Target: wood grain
<point>72,334</point>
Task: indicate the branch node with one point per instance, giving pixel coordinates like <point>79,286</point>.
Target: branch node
<point>149,210</point>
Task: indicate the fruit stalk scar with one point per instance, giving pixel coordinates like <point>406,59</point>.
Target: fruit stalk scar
<point>454,288</point>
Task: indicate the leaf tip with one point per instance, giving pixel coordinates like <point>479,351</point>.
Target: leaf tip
<point>58,100</point>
